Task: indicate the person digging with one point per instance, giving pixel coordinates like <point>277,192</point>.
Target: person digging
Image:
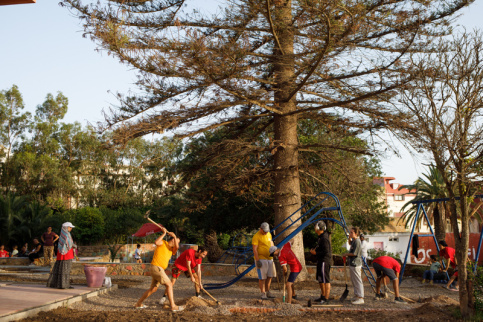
<point>387,266</point>
<point>189,262</point>
<point>162,254</point>
<point>287,256</point>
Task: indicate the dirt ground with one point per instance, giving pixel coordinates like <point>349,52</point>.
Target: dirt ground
<point>241,302</point>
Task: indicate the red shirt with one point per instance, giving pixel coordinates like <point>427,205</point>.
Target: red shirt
<point>187,255</point>
<point>287,256</point>
<point>3,253</point>
<point>388,262</point>
<point>449,253</point>
<point>67,256</point>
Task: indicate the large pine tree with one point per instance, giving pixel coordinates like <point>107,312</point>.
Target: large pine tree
<point>261,66</point>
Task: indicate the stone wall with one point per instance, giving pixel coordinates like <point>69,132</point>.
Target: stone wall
<point>16,261</point>
<point>208,269</point>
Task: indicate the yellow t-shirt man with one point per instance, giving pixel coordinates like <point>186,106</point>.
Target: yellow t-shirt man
<point>162,255</point>
<point>264,242</point>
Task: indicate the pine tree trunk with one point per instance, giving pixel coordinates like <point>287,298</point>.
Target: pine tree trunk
<point>286,180</point>
<point>439,222</point>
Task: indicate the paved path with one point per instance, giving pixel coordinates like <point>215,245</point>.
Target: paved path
<point>18,301</point>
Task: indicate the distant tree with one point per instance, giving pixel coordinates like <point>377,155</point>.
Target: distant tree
<point>13,126</point>
<point>431,186</point>
<point>258,67</point>
<point>446,105</point>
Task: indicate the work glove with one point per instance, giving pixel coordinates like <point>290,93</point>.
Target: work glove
<point>259,264</point>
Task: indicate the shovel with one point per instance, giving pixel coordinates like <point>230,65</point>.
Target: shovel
<point>284,283</point>
<point>346,292</point>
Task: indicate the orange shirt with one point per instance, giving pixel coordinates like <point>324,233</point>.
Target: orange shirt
<point>162,255</point>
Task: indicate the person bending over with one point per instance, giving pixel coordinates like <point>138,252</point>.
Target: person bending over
<point>189,262</point>
<point>387,266</point>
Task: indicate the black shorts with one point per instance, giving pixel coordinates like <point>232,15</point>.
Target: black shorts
<point>323,272</point>
<point>382,271</point>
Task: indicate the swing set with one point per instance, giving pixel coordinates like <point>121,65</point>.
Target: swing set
<point>420,205</point>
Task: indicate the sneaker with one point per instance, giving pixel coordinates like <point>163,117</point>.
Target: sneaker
<point>324,301</point>
<point>358,301</point>
<point>162,300</point>
<point>423,281</point>
<point>294,297</point>
<point>454,289</point>
<point>430,282</point>
<point>379,297</point>
<point>199,296</point>
<point>270,295</point>
<point>180,308</point>
<point>399,300</point>
<point>264,296</point>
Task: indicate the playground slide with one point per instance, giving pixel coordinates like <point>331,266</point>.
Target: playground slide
<point>303,225</point>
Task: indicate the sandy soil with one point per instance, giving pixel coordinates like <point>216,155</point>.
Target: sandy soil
<point>241,302</point>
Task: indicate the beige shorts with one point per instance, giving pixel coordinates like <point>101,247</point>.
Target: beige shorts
<point>158,276</point>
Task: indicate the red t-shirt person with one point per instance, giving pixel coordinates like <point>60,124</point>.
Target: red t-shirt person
<point>388,262</point>
<point>287,256</point>
<point>3,253</point>
<point>187,255</point>
<point>449,253</point>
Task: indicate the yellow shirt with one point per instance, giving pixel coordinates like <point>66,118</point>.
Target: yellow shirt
<point>264,242</point>
<point>162,255</point>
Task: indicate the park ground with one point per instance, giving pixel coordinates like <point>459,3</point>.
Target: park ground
<point>241,302</point>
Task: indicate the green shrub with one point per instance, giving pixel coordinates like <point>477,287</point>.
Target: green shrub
<point>224,240</point>
<point>374,253</point>
<point>89,225</point>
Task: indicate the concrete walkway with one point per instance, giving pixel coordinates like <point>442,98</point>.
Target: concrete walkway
<point>18,300</point>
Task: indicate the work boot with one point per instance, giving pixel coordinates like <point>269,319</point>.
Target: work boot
<point>320,298</point>
<point>430,282</point>
<point>423,281</point>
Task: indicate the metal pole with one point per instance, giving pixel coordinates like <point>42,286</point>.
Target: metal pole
<point>478,250</point>
<point>409,244</point>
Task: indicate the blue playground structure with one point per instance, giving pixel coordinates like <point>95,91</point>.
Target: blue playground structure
<point>322,202</point>
<point>418,212</point>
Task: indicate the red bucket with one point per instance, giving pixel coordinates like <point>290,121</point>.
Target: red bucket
<point>95,275</point>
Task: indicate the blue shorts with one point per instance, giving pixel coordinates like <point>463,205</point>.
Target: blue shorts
<point>292,276</point>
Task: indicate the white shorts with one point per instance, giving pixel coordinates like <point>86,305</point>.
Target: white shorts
<point>267,269</point>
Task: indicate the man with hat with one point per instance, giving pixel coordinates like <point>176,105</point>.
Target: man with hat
<point>261,243</point>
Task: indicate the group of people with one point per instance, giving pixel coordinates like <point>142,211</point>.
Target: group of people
<point>188,263</point>
<point>40,248</point>
<point>264,250</point>
<point>447,255</point>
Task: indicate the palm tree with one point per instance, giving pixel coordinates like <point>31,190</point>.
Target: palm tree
<point>431,186</point>
<point>11,211</point>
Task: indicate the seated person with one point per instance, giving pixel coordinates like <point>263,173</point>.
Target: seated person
<point>23,252</point>
<point>37,252</point>
<point>14,251</point>
<point>3,252</point>
<point>434,268</point>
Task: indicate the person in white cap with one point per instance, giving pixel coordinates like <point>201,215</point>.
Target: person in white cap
<point>60,275</point>
<point>261,243</point>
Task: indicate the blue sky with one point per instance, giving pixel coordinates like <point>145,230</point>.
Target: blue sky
<point>43,51</point>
